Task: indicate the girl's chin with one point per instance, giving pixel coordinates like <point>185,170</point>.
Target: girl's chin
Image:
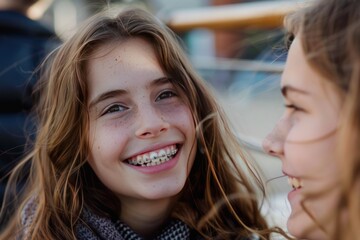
<point>302,227</point>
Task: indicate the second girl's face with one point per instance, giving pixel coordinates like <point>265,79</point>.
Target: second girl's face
<point>305,141</point>
<point>142,134</point>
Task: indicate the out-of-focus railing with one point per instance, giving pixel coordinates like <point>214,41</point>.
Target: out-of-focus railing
<point>230,64</point>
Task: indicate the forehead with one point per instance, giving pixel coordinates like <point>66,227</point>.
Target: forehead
<point>122,62</point>
<point>300,75</point>
<point>129,68</point>
<point>131,51</point>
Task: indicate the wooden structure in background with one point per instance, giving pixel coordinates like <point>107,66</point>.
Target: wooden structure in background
<point>264,14</point>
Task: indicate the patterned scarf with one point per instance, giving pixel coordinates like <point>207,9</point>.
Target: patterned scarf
<point>94,227</point>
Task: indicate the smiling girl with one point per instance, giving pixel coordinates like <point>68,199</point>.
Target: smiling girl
<point>132,145</point>
<point>317,134</point>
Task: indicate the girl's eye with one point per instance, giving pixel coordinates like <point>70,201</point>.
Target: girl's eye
<point>166,94</point>
<point>115,108</point>
<point>293,107</point>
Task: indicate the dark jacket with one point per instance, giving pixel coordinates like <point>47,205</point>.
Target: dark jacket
<point>23,45</point>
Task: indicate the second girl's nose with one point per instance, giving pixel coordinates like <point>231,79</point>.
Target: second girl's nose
<point>151,122</point>
<point>273,144</point>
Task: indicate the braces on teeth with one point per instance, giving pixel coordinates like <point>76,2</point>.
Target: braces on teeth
<point>153,158</point>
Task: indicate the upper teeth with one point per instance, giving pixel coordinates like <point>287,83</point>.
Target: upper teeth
<point>155,157</point>
<point>294,182</point>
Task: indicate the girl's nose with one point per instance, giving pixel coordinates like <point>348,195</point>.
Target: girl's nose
<point>273,144</point>
<point>151,123</point>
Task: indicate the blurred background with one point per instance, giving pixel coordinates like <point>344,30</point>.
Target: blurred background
<point>236,46</point>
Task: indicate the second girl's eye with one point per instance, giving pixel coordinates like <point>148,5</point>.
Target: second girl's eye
<point>293,107</point>
<point>166,94</point>
<point>115,108</point>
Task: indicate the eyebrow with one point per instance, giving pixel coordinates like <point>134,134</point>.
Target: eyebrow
<point>106,95</point>
<point>285,89</point>
<point>118,92</point>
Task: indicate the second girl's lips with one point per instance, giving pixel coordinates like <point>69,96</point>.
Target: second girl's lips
<point>154,157</point>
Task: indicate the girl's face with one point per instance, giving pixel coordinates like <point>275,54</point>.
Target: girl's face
<point>305,141</point>
<point>142,134</point>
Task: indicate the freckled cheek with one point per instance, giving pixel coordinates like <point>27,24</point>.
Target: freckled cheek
<point>180,114</point>
<point>107,143</point>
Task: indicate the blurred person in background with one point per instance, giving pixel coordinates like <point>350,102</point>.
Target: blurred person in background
<point>23,44</point>
<point>318,136</point>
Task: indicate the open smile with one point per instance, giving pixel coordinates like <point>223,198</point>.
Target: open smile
<point>296,183</point>
<point>154,158</point>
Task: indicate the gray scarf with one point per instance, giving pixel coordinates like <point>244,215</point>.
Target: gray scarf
<point>94,227</point>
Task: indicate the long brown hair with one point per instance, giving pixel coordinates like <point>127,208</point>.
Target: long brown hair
<point>219,198</point>
<point>330,35</point>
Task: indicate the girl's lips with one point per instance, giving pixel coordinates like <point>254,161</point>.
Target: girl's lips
<point>296,183</point>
